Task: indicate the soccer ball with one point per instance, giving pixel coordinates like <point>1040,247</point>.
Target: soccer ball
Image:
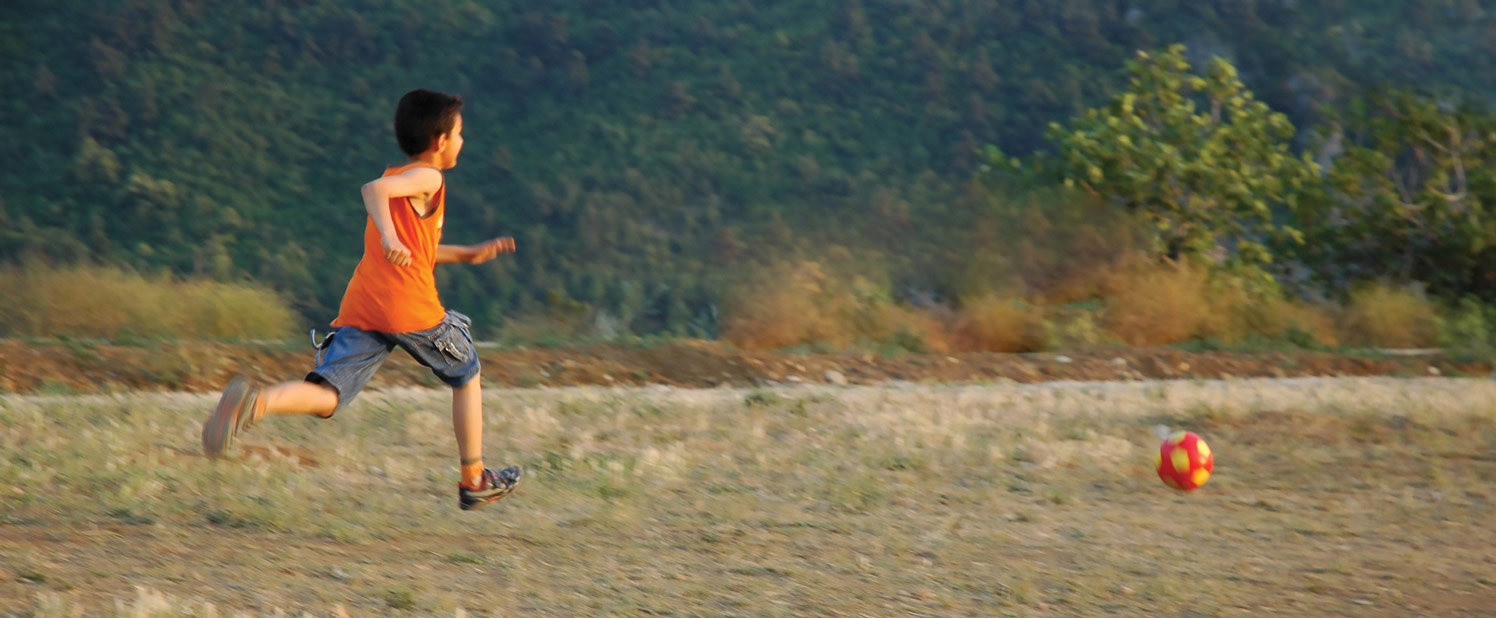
<point>1184,461</point>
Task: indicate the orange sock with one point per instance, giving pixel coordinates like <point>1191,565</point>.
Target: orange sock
<point>258,409</point>
<point>472,473</point>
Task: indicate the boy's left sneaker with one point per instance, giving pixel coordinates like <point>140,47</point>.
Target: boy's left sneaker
<point>235,413</point>
<point>492,486</point>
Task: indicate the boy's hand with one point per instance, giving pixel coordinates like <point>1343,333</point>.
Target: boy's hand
<point>486,251</point>
<point>396,252</point>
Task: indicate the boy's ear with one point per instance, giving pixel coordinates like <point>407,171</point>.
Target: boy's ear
<point>439,143</point>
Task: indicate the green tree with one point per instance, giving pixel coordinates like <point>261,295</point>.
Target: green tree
<point>1409,195</point>
<point>1195,154</point>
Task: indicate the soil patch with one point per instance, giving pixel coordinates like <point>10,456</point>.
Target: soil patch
<point>73,367</point>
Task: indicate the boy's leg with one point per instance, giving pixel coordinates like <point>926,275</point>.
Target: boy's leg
<point>344,367</point>
<point>467,423</point>
<point>298,397</point>
<point>479,485</point>
<point>448,350</point>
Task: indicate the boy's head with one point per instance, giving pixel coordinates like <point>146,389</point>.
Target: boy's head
<point>426,120</point>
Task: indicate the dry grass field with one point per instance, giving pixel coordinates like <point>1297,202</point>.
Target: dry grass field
<point>1368,497</point>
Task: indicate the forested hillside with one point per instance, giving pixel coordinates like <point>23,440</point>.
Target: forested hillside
<point>641,152</point>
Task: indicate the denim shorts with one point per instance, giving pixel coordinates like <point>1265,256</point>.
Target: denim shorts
<point>349,356</point>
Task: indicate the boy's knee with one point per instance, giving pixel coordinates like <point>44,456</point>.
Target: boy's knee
<point>337,401</point>
<point>329,391</point>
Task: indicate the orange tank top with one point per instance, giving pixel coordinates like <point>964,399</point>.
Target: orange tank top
<point>386,298</point>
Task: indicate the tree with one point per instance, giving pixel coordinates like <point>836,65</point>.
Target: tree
<point>1195,154</point>
<point>1409,196</point>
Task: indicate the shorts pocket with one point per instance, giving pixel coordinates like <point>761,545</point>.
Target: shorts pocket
<point>451,338</point>
<point>450,348</point>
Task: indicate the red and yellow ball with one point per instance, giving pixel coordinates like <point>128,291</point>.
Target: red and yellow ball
<point>1184,461</point>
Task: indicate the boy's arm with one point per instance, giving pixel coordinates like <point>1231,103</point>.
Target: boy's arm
<point>416,181</point>
<point>474,254</point>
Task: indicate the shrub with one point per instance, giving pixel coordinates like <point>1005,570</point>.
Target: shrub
<point>784,305</point>
<point>1467,327</point>
<point>1160,304</point>
<point>90,301</point>
<point>1302,324</point>
<point>804,302</point>
<point>1074,326</point>
<point>1392,317</point>
<point>1250,307</point>
<point>993,324</point>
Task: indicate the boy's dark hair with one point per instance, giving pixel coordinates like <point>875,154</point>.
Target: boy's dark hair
<point>423,115</point>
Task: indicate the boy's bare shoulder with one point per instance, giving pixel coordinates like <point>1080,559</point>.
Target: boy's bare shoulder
<point>420,181</point>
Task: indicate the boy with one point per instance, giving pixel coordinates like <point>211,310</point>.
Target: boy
<point>391,301</point>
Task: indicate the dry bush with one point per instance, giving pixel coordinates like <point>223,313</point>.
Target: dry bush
<point>994,324</point>
<point>1160,304</point>
<point>109,302</point>
<point>806,302</point>
<point>1070,328</point>
<point>218,310</point>
<point>782,306</point>
<point>1393,317</point>
<point>1275,317</point>
<point>1245,306</point>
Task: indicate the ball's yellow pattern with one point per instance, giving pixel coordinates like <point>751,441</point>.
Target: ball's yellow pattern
<point>1200,476</point>
<point>1180,460</point>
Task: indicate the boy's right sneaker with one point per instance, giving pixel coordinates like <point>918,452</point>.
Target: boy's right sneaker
<point>492,486</point>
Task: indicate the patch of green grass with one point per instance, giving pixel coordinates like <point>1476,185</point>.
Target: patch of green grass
<point>762,399</point>
<point>400,598</point>
<point>127,516</point>
<point>57,388</point>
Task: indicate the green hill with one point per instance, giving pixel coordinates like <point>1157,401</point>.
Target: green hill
<point>637,150</point>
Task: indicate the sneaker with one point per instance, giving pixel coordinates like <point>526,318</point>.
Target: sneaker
<point>234,414</point>
<point>491,487</point>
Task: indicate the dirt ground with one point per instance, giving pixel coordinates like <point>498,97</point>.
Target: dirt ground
<point>81,367</point>
<point>1330,497</point>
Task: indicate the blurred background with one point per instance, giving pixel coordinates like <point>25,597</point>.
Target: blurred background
<point>915,175</point>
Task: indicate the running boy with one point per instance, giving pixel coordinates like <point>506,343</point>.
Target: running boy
<point>391,301</point>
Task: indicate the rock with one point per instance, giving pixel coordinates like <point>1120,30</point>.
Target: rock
<point>835,377</point>
<point>1434,371</point>
<point>1062,359</point>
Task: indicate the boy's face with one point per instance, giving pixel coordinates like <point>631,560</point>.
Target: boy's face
<point>450,145</point>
